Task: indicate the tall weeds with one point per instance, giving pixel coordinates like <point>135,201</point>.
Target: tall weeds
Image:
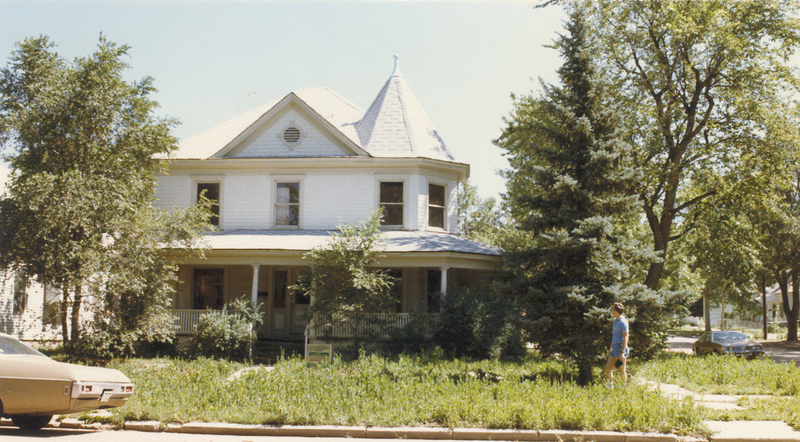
<point>412,391</point>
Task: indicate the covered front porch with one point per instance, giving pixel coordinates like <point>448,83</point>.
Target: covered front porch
<point>419,292</point>
<point>261,267</point>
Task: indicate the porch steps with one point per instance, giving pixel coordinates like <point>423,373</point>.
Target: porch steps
<point>268,352</point>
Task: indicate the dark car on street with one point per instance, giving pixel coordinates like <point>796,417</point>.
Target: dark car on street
<point>727,342</point>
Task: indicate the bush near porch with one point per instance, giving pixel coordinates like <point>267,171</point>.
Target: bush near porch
<point>410,391</point>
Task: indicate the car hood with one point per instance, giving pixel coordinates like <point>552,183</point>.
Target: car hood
<point>42,366</point>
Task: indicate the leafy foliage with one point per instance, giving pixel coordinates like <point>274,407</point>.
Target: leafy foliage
<point>571,191</point>
<point>84,148</point>
<point>226,333</point>
<point>340,279</point>
<point>422,390</point>
<point>478,219</point>
<point>478,324</point>
<point>702,84</point>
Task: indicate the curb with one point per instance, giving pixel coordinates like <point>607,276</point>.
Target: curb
<point>426,433</point>
<point>356,432</point>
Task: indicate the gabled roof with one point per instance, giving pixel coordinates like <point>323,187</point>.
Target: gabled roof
<point>395,125</point>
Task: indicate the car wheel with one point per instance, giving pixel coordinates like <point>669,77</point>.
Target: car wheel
<point>30,422</point>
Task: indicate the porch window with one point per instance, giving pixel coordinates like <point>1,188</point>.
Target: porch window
<point>210,191</point>
<point>280,286</point>
<point>397,288</point>
<point>208,289</point>
<point>434,290</point>
<point>287,204</point>
<point>20,295</point>
<point>391,201</point>
<point>436,206</point>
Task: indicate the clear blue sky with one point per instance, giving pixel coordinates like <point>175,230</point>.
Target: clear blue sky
<point>213,60</point>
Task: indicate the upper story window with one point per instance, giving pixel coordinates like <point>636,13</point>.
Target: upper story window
<point>287,204</point>
<point>436,206</point>
<point>211,191</point>
<point>391,201</point>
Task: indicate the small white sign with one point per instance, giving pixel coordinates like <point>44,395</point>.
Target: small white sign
<point>319,353</point>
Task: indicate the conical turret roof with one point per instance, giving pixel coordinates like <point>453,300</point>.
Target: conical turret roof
<point>396,125</point>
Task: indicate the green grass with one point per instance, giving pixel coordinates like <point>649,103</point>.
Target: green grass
<point>731,375</point>
<point>418,391</point>
<point>724,375</point>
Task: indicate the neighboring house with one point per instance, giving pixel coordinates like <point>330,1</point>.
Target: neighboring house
<point>27,309</point>
<point>775,303</point>
<point>287,174</point>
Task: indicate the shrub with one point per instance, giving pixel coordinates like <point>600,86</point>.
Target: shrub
<point>475,323</point>
<point>226,333</point>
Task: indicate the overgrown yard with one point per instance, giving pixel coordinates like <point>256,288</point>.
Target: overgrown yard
<point>731,375</point>
<point>411,391</point>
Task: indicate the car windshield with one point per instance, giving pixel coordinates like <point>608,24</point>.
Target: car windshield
<point>729,336</point>
<point>11,346</point>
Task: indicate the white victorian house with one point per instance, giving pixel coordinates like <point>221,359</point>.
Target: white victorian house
<point>285,175</point>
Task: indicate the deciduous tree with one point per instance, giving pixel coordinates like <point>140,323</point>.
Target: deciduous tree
<point>83,145</point>
<point>342,280</point>
<point>697,83</point>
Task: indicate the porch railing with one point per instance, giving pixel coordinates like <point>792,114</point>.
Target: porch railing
<point>375,325</point>
<point>185,320</point>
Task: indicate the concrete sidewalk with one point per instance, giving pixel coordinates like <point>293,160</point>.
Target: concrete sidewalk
<point>738,431</point>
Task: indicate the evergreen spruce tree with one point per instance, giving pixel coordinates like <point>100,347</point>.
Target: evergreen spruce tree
<point>570,191</point>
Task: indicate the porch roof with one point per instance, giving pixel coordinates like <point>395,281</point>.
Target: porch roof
<point>395,241</point>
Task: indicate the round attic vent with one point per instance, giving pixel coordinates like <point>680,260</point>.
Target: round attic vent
<point>291,135</point>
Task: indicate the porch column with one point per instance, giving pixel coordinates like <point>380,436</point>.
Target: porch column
<point>444,280</point>
<point>254,292</point>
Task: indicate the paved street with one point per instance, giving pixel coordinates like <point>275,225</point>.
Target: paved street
<point>781,351</point>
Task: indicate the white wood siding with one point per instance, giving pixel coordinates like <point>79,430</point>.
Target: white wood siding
<point>329,197</point>
<point>335,198</point>
<point>266,141</point>
<point>246,202</point>
<point>174,191</point>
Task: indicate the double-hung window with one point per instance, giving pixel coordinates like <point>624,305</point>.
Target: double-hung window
<point>436,206</point>
<point>391,201</point>
<point>211,192</point>
<point>208,290</point>
<point>287,204</point>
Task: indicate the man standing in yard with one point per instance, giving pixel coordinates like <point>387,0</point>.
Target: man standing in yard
<point>618,353</point>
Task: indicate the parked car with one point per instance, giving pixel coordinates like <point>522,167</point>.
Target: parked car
<point>727,342</point>
<point>34,387</point>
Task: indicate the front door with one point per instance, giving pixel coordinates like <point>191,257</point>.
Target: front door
<point>280,303</point>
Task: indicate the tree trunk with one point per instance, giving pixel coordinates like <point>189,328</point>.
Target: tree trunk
<point>585,374</point>
<point>63,308</point>
<point>789,313</point>
<point>722,315</point>
<point>76,315</point>
<point>764,303</point>
<point>661,229</point>
<point>706,310</point>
